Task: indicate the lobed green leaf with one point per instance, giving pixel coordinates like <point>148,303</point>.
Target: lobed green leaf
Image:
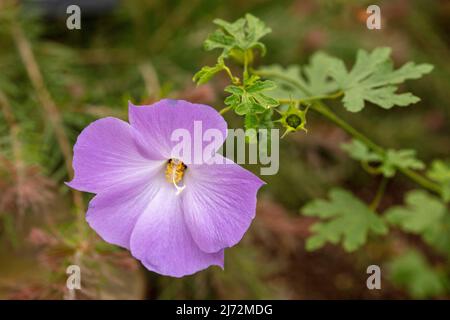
<point>206,73</point>
<point>297,83</point>
<point>412,272</point>
<point>440,173</point>
<point>344,218</point>
<point>421,212</point>
<point>251,98</point>
<point>241,35</point>
<point>373,79</point>
<point>388,162</point>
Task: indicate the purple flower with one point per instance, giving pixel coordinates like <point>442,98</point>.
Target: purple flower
<point>175,216</point>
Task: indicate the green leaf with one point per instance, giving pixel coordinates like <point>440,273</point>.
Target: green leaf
<point>405,159</point>
<point>287,80</point>
<point>297,83</point>
<point>423,215</point>
<point>234,90</point>
<point>438,235</point>
<point>249,107</point>
<point>250,98</point>
<point>241,35</point>
<point>440,173</point>
<point>412,272</point>
<point>359,151</point>
<point>373,79</point>
<point>365,65</point>
<point>257,86</point>
<point>345,218</point>
<point>220,40</point>
<point>206,73</point>
<point>317,75</point>
<point>258,121</point>
<point>422,211</point>
<point>389,162</point>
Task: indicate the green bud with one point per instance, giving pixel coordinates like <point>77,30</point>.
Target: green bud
<point>238,55</point>
<point>294,119</point>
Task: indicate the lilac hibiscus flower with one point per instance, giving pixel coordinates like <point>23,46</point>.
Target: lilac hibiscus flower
<point>175,216</point>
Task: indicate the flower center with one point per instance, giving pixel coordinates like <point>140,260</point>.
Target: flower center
<point>174,173</point>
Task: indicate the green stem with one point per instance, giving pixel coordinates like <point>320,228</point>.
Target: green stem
<point>313,98</point>
<point>245,76</point>
<point>226,109</point>
<point>421,180</point>
<point>330,115</point>
<point>379,195</point>
<point>321,108</point>
<point>234,80</point>
<point>369,169</point>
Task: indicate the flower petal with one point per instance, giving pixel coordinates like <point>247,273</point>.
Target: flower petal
<point>113,212</point>
<point>158,122</point>
<point>162,242</point>
<point>106,153</point>
<point>219,203</point>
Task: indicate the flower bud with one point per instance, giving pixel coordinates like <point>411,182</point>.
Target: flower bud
<point>294,119</point>
<point>238,56</point>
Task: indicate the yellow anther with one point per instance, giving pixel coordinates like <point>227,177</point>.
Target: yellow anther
<point>175,172</point>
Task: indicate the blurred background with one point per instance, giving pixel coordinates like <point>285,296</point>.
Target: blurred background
<point>55,81</point>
